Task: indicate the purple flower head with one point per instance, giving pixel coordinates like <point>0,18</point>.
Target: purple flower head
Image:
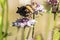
<point>23,20</point>
<point>53,2</point>
<point>38,5</point>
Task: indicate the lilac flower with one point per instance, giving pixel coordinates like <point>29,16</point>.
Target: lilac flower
<point>24,22</point>
<point>54,2</point>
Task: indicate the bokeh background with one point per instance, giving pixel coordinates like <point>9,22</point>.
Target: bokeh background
<point>40,27</point>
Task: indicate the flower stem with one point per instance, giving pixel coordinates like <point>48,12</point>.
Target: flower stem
<point>6,30</point>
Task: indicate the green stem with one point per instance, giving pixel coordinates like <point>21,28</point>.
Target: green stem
<point>47,30</point>
<point>6,19</point>
<point>59,34</point>
<point>23,35</point>
<point>28,33</point>
<point>1,26</point>
<point>54,24</point>
<point>33,26</point>
<point>55,20</point>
